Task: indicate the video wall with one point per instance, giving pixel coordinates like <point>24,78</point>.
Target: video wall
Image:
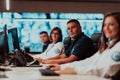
<point>30,24</point>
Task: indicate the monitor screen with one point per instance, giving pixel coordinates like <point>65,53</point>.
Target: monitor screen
<point>13,42</point>
<point>3,45</point>
<point>2,41</point>
<point>10,43</point>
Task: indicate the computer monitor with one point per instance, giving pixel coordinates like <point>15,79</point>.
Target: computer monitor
<point>10,43</point>
<point>3,45</point>
<point>13,42</point>
<point>2,41</point>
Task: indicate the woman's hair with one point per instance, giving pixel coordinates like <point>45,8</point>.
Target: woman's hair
<point>59,31</point>
<point>103,39</point>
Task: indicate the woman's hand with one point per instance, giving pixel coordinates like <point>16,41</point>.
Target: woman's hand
<point>57,68</point>
<point>54,67</point>
<point>39,59</point>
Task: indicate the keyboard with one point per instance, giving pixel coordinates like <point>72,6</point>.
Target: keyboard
<point>5,69</point>
<point>3,76</point>
<point>48,72</point>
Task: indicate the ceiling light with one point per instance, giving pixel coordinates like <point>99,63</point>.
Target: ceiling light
<point>7,4</point>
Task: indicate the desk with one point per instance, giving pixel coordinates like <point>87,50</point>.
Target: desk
<point>32,73</point>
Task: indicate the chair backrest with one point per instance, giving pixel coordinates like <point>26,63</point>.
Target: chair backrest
<point>67,42</point>
<point>95,38</point>
<point>116,76</point>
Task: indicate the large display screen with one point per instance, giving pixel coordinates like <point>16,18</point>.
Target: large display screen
<point>30,24</point>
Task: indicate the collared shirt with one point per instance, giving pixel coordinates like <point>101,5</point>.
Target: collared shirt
<point>82,47</point>
<point>111,42</point>
<point>51,51</point>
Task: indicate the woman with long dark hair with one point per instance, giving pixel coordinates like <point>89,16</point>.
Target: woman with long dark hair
<point>55,47</point>
<point>106,62</point>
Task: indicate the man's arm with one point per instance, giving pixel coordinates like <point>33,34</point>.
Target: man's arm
<point>61,56</point>
<point>48,61</point>
<point>62,60</point>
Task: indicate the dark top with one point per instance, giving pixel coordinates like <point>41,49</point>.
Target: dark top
<point>45,46</point>
<point>82,47</point>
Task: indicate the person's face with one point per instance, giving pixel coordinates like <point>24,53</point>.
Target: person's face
<point>111,28</point>
<point>44,38</point>
<point>55,36</point>
<point>73,29</point>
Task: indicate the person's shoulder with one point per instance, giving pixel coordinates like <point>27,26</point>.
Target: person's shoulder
<point>84,38</point>
<point>59,43</point>
<point>117,44</point>
<point>116,47</point>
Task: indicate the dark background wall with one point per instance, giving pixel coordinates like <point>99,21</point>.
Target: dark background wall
<point>48,6</point>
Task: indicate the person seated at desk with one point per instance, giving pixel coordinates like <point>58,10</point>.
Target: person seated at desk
<point>45,39</point>
<point>55,47</point>
<point>81,47</point>
<point>106,62</point>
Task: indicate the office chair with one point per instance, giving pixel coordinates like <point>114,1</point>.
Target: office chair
<point>95,38</point>
<point>116,76</point>
<point>67,42</point>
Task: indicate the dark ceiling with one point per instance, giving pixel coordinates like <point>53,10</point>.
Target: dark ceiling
<point>74,0</point>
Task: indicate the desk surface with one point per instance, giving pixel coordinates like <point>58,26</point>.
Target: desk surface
<point>32,73</point>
